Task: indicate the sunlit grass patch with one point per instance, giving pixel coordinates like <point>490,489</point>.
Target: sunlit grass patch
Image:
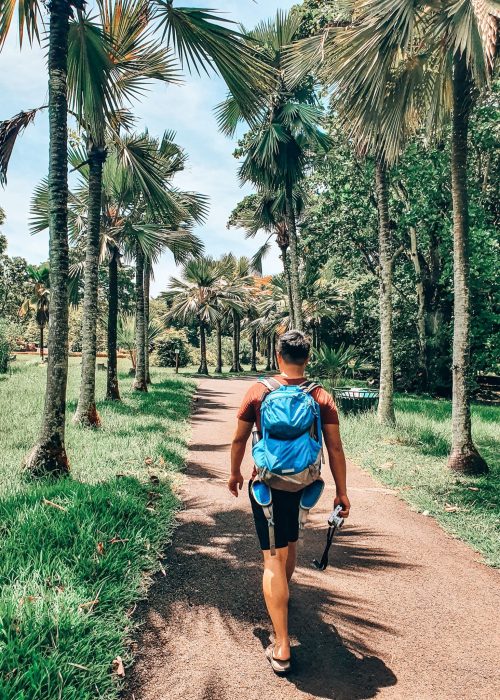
<point>73,554</point>
<point>411,458</point>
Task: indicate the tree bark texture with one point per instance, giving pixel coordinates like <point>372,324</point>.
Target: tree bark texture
<point>253,366</point>
<point>464,456</point>
<point>48,456</point>
<point>86,412</point>
<point>385,412</point>
<point>218,367</point>
<point>274,365</point>
<point>236,366</point>
<point>203,368</point>
<point>268,354</point>
<point>147,284</point>
<point>140,383</point>
<point>421,311</point>
<point>112,390</point>
<point>297,317</point>
<point>286,271</point>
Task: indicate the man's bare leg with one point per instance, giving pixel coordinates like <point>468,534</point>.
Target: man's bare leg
<point>275,587</point>
<point>291,560</point>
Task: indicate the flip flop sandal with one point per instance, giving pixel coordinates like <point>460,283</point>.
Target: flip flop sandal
<point>280,667</point>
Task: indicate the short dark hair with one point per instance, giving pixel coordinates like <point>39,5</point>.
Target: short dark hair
<point>294,347</point>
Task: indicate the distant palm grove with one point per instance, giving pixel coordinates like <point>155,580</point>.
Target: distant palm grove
<point>369,133</point>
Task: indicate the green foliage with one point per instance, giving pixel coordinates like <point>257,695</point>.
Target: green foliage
<point>335,364</point>
<point>165,351</point>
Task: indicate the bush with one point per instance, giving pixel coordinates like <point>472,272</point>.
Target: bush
<point>4,348</point>
<point>165,351</point>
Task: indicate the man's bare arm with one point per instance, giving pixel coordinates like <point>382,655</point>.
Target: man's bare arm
<point>336,458</point>
<point>240,439</point>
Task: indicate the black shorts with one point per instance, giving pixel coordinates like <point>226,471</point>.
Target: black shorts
<point>286,518</point>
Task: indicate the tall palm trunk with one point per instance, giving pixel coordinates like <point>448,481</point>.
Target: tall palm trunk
<point>218,367</point>
<point>236,367</point>
<point>140,383</point>
<point>286,271</point>
<point>112,391</point>
<point>273,352</point>
<point>386,399</point>
<point>48,456</point>
<point>464,456</point>
<point>41,343</point>
<point>147,282</point>
<point>86,411</point>
<point>253,366</point>
<point>421,326</point>
<point>297,318</point>
<point>268,354</point>
<point>203,368</point>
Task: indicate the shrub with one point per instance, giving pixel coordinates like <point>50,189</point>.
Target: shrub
<point>165,351</point>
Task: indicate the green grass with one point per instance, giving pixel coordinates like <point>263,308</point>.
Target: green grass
<point>411,458</point>
<point>69,576</point>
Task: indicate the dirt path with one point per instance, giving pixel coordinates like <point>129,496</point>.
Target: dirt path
<point>404,612</point>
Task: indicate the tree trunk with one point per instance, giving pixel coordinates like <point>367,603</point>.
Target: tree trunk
<point>86,412</point>
<point>286,271</point>
<point>147,281</point>
<point>48,456</point>
<point>140,383</point>
<point>274,365</point>
<point>421,312</point>
<point>253,367</point>
<point>464,456</point>
<point>41,343</point>
<point>203,368</point>
<point>297,318</point>
<point>268,354</point>
<point>218,368</point>
<point>235,367</point>
<point>386,398</point>
<point>112,391</point>
<point>240,368</point>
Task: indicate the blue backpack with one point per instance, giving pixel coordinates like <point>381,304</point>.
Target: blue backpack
<point>288,452</point>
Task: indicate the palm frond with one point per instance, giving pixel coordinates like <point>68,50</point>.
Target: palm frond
<point>204,41</point>
<point>9,131</point>
<point>29,17</point>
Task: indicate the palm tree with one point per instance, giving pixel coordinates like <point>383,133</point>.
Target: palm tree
<point>202,40</point>
<point>194,298</point>
<point>285,134</point>
<point>49,453</point>
<point>109,62</point>
<point>237,272</point>
<point>39,300</point>
<point>447,51</point>
<point>266,211</point>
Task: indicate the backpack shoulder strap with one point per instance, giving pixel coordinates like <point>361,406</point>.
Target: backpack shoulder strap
<point>308,386</point>
<point>270,383</point>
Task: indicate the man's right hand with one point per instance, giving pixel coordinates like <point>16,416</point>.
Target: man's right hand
<point>235,483</point>
<point>343,501</point>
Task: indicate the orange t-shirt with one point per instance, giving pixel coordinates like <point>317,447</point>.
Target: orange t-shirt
<point>250,407</point>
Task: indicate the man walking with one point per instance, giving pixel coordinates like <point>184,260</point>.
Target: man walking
<point>293,355</point>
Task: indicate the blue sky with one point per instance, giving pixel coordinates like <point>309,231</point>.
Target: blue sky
<point>187,109</point>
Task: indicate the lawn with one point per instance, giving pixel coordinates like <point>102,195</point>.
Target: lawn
<point>411,458</point>
<point>74,554</point>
